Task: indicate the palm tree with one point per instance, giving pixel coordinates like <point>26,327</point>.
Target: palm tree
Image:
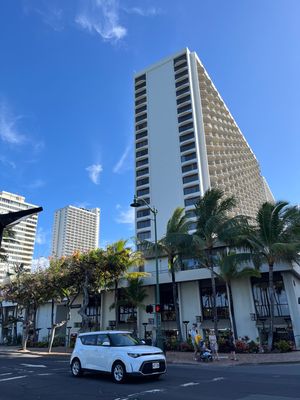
<point>275,238</point>
<point>215,229</point>
<point>233,266</point>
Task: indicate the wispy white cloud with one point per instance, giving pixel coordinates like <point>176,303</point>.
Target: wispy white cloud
<point>121,166</point>
<point>6,162</point>
<point>101,17</point>
<point>9,132</point>
<point>143,12</point>
<point>40,237</point>
<point>39,264</point>
<point>125,216</point>
<point>94,172</point>
<point>38,183</point>
<point>82,204</point>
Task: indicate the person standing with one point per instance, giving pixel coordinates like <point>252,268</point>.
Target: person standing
<point>231,344</point>
<point>213,344</point>
<point>193,334</point>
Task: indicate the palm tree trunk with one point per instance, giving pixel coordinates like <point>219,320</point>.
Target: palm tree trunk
<point>230,309</point>
<point>214,292</point>
<point>176,302</point>
<point>116,300</point>
<point>271,325</point>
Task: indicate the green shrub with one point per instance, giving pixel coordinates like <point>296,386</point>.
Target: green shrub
<point>283,346</point>
<point>253,347</point>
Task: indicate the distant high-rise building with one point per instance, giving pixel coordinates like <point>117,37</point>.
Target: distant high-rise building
<point>186,142</point>
<point>75,229</point>
<point>19,249</point>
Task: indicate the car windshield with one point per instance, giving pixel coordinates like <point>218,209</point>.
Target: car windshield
<point>123,339</point>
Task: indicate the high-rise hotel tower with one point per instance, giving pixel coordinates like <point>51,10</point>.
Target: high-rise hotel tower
<point>187,141</point>
<point>74,229</point>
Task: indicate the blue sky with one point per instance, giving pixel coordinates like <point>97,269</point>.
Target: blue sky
<point>66,93</point>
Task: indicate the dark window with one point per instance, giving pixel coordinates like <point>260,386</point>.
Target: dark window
<point>190,214</point>
<point>140,93</point>
<point>167,303</point>
<point>185,117</point>
<point>180,66</point>
<point>183,99</point>
<point>143,224</point>
<point>143,143</point>
<point>143,181</point>
<point>89,340</point>
<point>140,101</point>
<point>140,78</point>
<point>180,74</point>
<point>184,90</point>
<point>141,135</point>
<point>143,171</point>
<point>191,201</point>
<point>142,162</point>
<point>142,192</point>
<point>191,189</point>
<point>182,82</point>
<point>143,213</point>
<point>101,339</point>
<point>207,301</point>
<point>140,109</point>
<point>180,58</point>
<point>142,153</point>
<point>141,126</point>
<point>192,226</point>
<point>190,178</point>
<point>261,296</point>
<point>189,167</point>
<point>185,127</point>
<point>141,117</point>
<point>187,136</point>
<point>127,313</point>
<point>188,157</point>
<point>184,108</point>
<point>140,85</point>
<point>186,147</point>
<point>144,235</point>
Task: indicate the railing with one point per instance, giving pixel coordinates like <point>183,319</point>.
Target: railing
<point>208,313</point>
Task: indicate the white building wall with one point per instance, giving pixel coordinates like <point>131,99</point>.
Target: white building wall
<point>292,288</point>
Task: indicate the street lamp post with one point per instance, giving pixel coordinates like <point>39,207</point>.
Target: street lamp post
<point>137,202</point>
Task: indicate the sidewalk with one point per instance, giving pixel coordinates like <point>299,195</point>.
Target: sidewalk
<point>176,357</point>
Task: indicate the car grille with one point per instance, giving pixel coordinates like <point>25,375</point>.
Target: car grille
<point>146,367</point>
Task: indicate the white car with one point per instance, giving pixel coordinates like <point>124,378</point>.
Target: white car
<point>118,353</point>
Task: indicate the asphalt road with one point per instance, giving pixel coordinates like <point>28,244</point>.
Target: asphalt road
<point>32,377</point>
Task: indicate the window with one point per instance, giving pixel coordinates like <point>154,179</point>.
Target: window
<point>183,99</point>
<point>190,178</point>
<point>180,74</point>
<point>143,213</point>
<point>207,301</point>
<point>188,157</point>
<point>140,78</point>
<point>182,82</point>
<point>140,109</point>
<point>186,147</point>
<point>140,163</point>
<point>143,171</point>
<point>189,167</point>
<point>191,201</point>
<point>141,153</point>
<point>101,339</point>
<point>140,101</point>
<point>141,135</point>
<point>142,192</point>
<point>182,91</point>
<point>88,340</point>
<point>185,118</point>
<point>141,117</point>
<point>144,235</point>
<point>141,126</point>
<point>184,108</point>
<point>180,66</point>
<point>191,189</point>
<point>143,224</point>
<point>180,58</point>
<point>185,127</point>
<point>141,93</point>
<point>140,86</point>
<point>141,144</point>
<point>190,214</point>
<point>192,226</point>
<point>143,181</point>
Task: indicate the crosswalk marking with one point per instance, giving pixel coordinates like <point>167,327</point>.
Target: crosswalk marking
<point>13,377</point>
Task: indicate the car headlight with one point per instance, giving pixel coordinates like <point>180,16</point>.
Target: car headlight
<point>134,355</point>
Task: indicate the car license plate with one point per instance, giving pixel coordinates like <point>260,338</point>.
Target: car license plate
<point>155,365</point>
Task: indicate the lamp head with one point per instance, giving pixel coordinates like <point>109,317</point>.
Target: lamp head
<point>135,203</point>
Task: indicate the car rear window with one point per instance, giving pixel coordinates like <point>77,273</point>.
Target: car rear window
<point>88,340</point>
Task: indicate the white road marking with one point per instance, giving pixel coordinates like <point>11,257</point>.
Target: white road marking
<point>129,396</point>
<point>189,384</point>
<point>44,374</point>
<point>7,373</point>
<point>220,378</point>
<point>152,391</point>
<point>34,365</point>
<point>14,377</point>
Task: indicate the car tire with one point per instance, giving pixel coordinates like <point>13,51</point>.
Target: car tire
<point>118,372</point>
<point>76,369</point>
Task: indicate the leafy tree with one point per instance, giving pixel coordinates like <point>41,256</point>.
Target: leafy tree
<point>274,238</point>
<point>216,228</point>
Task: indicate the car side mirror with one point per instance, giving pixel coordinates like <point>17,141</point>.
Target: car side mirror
<point>105,344</point>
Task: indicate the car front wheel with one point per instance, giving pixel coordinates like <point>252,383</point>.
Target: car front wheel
<point>119,372</point>
<point>76,369</point>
